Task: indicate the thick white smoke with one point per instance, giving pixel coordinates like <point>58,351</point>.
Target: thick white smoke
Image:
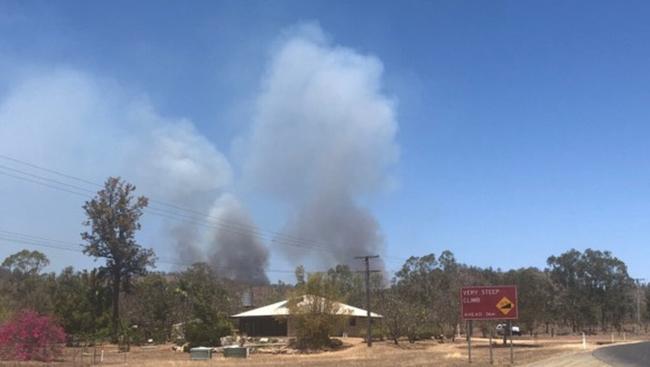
<point>75,123</point>
<point>93,128</point>
<point>323,137</point>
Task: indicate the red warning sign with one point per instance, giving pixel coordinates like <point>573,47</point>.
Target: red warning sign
<point>497,302</point>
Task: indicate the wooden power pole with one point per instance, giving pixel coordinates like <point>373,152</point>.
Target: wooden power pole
<point>638,303</point>
<point>366,259</point>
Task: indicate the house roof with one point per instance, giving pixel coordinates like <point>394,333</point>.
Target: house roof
<point>281,309</point>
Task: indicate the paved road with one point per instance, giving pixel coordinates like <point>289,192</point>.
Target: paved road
<point>626,355</point>
<point>579,359</point>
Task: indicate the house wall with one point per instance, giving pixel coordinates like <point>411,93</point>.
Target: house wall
<point>263,326</point>
<point>356,328</point>
<point>270,326</point>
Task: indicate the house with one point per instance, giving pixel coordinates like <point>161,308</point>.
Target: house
<point>275,319</point>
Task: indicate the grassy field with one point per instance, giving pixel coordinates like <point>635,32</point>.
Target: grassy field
<point>356,354</point>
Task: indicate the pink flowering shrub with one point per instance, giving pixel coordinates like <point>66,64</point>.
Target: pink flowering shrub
<point>30,336</point>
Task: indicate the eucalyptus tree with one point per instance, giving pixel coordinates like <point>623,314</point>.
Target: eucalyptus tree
<point>113,217</point>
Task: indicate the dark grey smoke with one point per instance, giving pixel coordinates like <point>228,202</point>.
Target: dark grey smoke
<point>322,142</point>
<point>185,241</point>
<point>332,220</point>
<point>235,250</point>
<point>196,175</point>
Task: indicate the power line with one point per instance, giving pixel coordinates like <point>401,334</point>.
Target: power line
<point>35,238</point>
<point>150,210</point>
<point>287,237</point>
<point>25,163</point>
<point>25,240</point>
<point>13,237</point>
<point>164,213</point>
<point>276,237</point>
<point>75,187</point>
<point>38,244</point>
<point>43,184</point>
<point>46,179</point>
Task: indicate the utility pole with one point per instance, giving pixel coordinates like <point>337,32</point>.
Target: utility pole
<point>638,303</point>
<point>367,262</point>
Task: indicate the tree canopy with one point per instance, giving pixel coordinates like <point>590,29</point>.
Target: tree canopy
<point>113,216</point>
<point>26,262</point>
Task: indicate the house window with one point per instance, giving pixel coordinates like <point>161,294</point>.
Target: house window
<point>353,321</point>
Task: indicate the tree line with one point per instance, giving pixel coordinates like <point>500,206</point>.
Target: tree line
<point>125,300</point>
<point>586,291</point>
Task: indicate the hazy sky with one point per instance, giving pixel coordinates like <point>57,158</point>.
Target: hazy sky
<point>521,129</point>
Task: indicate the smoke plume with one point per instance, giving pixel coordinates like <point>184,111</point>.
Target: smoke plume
<point>238,253</point>
<point>321,143</point>
<point>90,127</point>
<point>323,138</point>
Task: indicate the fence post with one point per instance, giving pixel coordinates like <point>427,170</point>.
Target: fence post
<point>491,357</point>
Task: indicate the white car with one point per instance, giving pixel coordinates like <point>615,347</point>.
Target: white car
<point>503,328</point>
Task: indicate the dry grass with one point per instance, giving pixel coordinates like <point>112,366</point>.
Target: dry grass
<point>382,354</point>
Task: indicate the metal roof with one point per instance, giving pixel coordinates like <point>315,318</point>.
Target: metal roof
<point>281,309</point>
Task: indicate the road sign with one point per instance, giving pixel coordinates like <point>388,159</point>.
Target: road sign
<point>497,302</point>
<point>505,306</point>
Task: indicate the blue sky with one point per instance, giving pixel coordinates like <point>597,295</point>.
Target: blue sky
<point>523,126</point>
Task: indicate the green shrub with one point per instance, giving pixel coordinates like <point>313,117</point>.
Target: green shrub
<point>314,308</point>
<point>206,334</point>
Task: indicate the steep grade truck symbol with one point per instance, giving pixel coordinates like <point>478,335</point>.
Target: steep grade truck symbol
<point>505,305</point>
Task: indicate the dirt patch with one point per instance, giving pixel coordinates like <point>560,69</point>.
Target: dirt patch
<point>382,354</point>
<point>514,345</point>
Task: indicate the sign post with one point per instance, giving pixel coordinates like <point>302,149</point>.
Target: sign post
<point>469,340</point>
<point>483,303</point>
<point>512,354</point>
<point>491,357</point>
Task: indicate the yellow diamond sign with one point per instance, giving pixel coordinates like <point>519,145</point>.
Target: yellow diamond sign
<point>505,305</point>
